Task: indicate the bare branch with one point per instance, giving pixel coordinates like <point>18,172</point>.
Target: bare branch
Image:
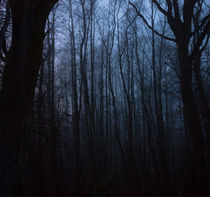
<point>169,7</point>
<point>149,26</point>
<point>201,38</point>
<point>161,9</point>
<point>176,10</point>
<point>205,19</point>
<point>188,11</point>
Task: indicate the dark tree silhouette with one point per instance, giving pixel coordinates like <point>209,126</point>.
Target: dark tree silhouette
<point>18,83</point>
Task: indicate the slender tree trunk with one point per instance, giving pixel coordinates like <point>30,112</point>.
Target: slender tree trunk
<point>205,113</point>
<point>76,110</point>
<point>158,110</point>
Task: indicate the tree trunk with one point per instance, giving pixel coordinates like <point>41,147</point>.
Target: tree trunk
<point>18,85</point>
<point>192,120</point>
<point>201,93</point>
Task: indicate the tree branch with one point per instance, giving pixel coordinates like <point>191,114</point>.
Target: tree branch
<point>169,7</point>
<point>205,19</point>
<point>161,9</point>
<point>176,10</point>
<point>202,36</point>
<point>149,26</point>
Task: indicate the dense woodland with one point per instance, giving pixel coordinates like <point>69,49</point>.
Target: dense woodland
<point>104,98</point>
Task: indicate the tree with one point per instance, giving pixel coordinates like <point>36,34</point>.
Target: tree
<point>18,83</point>
<point>181,27</point>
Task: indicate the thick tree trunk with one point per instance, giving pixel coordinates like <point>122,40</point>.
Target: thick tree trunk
<point>18,85</point>
<point>192,120</point>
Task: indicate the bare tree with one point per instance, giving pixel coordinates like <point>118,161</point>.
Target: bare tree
<point>181,27</point>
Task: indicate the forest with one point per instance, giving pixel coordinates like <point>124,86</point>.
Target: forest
<point>104,98</point>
